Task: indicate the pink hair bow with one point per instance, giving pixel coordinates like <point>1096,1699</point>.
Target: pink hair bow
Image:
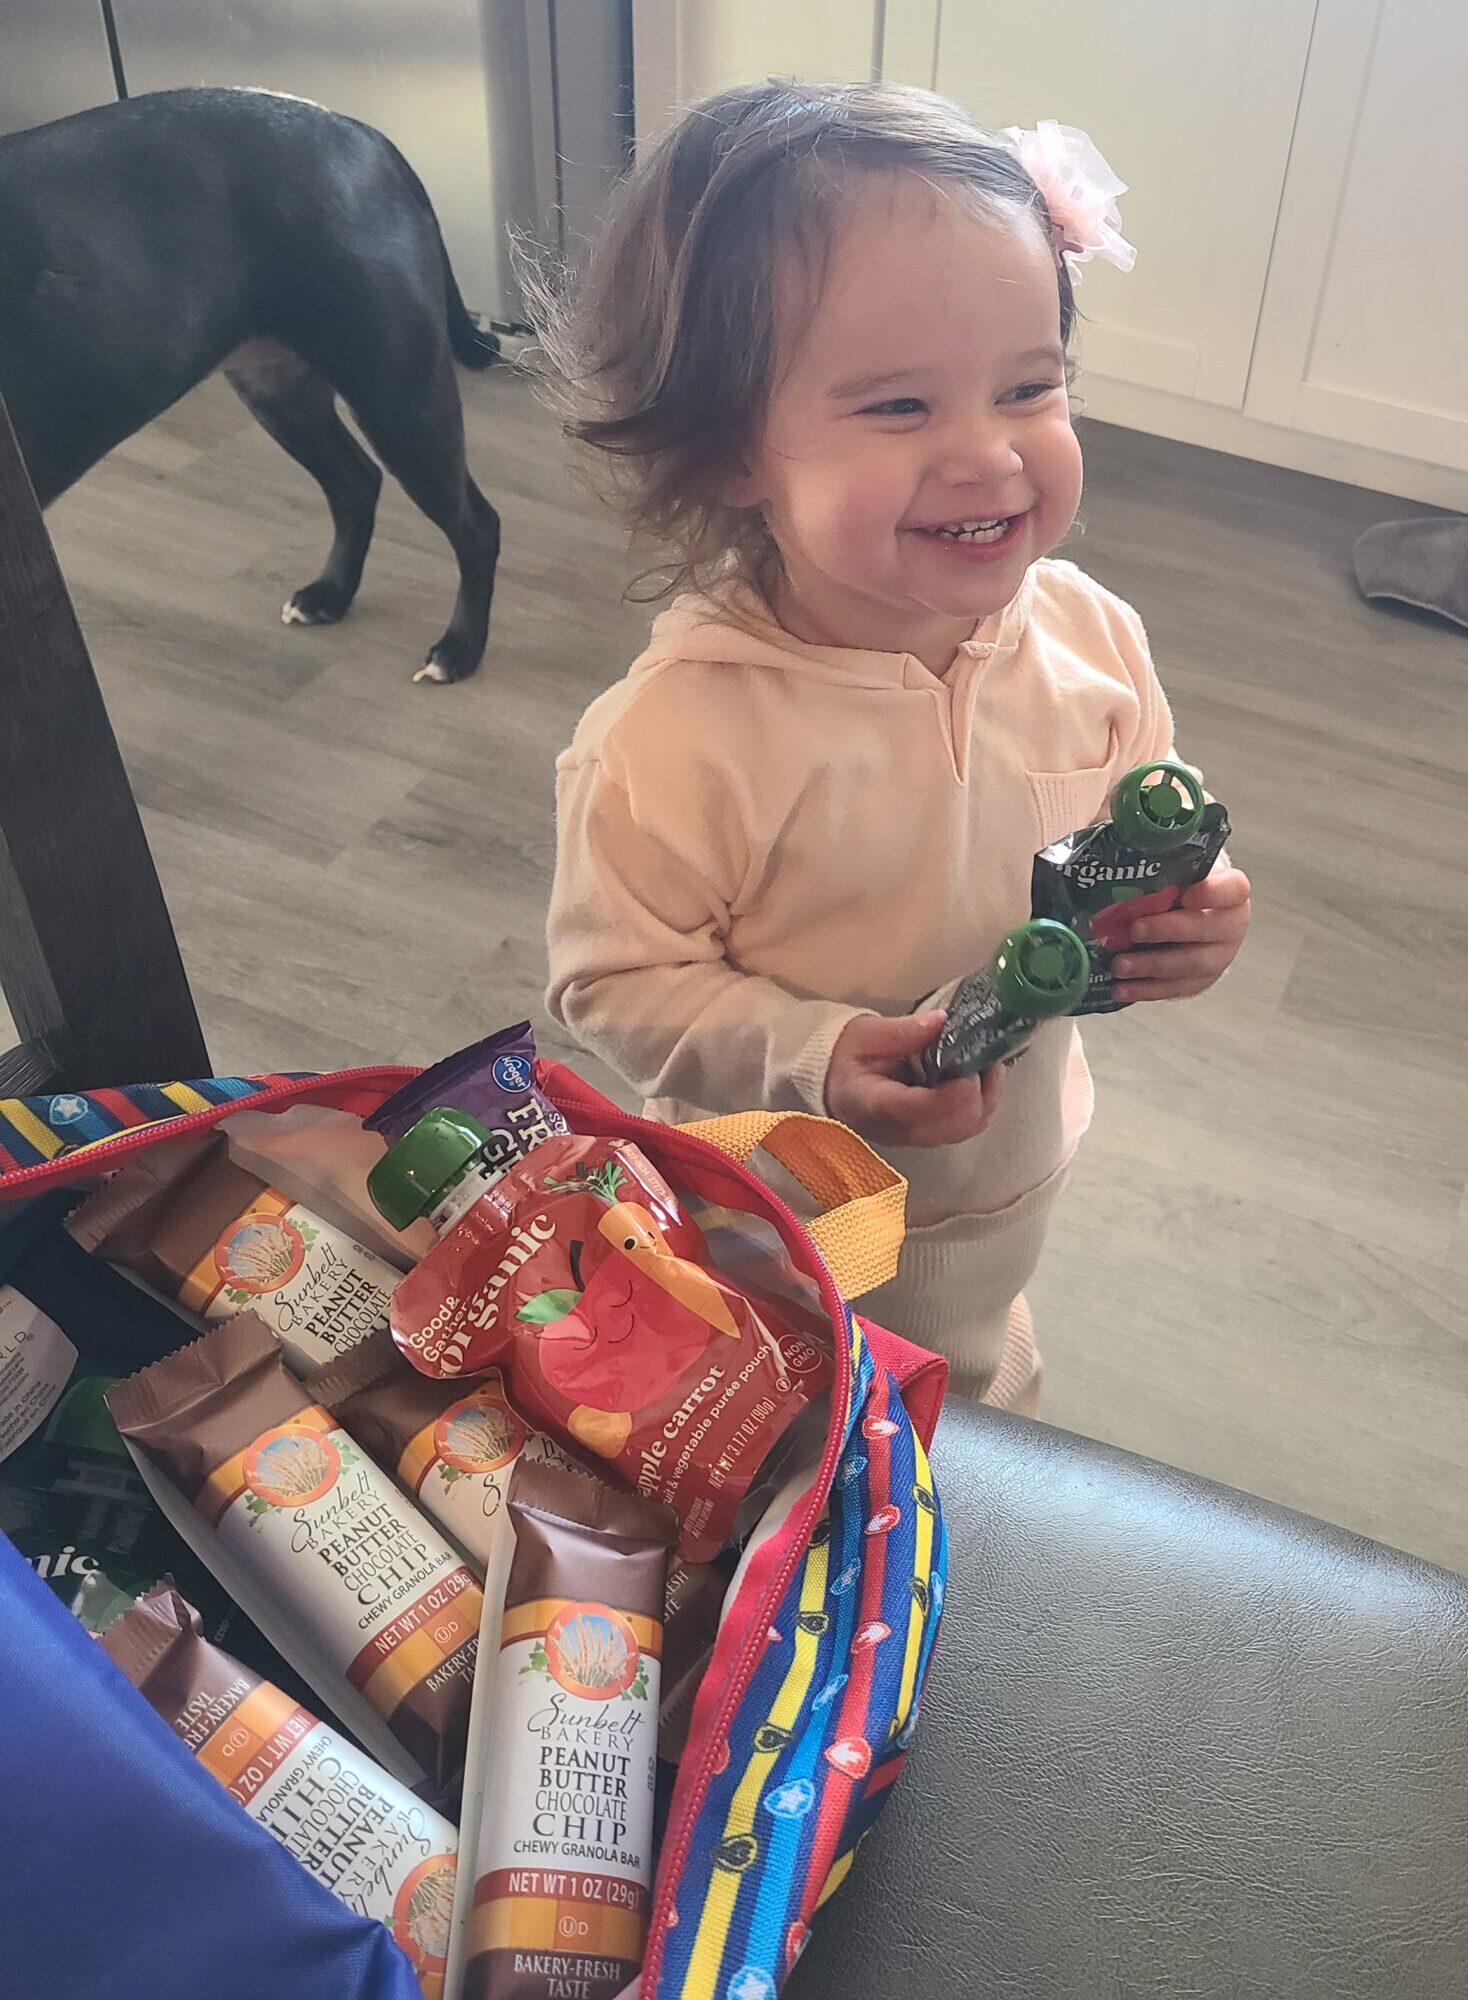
<point>1080,191</point>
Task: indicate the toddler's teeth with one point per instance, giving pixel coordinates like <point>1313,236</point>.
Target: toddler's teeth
<point>972,531</point>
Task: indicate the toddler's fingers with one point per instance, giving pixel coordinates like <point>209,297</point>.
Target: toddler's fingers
<point>882,1038</point>
<point>1224,889</point>
<point>951,1113</point>
<point>1173,962</point>
<point>1192,926</point>
<point>973,1110</point>
<point>992,1085</point>
<point>1165,989</point>
<point>942,1117</point>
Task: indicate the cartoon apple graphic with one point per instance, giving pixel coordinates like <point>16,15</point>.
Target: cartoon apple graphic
<point>585,1345</point>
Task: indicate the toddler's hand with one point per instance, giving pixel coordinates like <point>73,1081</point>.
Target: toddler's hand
<point>867,1086</point>
<point>1201,939</point>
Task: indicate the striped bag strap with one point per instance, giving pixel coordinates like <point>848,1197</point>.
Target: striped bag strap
<point>36,1129</point>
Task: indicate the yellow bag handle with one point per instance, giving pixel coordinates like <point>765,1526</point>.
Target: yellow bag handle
<point>859,1231</point>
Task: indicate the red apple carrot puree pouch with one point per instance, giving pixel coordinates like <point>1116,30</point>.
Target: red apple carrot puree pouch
<point>453,1445</point>
<point>221,1241</point>
<point>563,1862</point>
<point>324,1530</point>
<point>579,1275</point>
<point>365,1837</point>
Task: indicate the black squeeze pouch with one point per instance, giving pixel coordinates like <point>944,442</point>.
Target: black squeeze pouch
<point>1162,838</point>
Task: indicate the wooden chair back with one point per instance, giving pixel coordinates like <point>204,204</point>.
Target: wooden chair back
<point>89,964</point>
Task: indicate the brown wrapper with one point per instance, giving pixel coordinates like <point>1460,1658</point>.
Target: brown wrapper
<point>691,1606</point>
<point>452,1445</point>
<point>563,1864</point>
<point>364,1836</point>
<point>201,1229</point>
<point>375,1585</point>
<point>160,1212</point>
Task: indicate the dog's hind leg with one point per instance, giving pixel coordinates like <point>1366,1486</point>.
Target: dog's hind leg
<point>297,406</point>
<point>416,427</point>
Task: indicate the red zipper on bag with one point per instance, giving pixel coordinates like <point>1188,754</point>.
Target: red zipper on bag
<point>667,1140</point>
<point>799,1529</point>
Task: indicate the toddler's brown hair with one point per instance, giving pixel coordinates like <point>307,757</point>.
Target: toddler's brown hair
<point>664,352</point>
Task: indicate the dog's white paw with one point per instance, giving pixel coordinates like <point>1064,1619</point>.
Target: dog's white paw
<point>292,614</point>
<point>431,671</point>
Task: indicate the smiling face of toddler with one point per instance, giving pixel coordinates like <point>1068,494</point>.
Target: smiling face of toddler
<point>917,452</point>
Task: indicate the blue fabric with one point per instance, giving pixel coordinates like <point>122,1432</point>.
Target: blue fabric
<point>129,1873</point>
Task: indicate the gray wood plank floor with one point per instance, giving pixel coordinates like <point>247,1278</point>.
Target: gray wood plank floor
<point>1259,1270</point>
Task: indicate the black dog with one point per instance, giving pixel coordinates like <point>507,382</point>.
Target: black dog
<point>144,244</point>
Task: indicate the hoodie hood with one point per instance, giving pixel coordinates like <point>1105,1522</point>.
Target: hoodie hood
<point>732,625</point>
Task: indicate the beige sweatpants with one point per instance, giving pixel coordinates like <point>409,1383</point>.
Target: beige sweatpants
<point>959,1289</point>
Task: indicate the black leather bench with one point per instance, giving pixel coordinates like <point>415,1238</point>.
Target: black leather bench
<point>1176,1742</point>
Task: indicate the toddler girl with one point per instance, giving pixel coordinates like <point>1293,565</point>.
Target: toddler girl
<point>823,350</point>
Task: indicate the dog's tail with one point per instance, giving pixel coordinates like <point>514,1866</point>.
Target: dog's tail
<point>474,346</point>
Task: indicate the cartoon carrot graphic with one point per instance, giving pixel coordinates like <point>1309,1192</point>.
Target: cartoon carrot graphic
<point>633,1232</point>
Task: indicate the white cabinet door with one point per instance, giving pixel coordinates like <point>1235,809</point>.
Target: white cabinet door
<point>687,49</point>
<point>1363,336</point>
<point>1193,105</point>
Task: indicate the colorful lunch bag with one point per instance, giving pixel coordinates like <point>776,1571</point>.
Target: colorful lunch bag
<point>134,1874</point>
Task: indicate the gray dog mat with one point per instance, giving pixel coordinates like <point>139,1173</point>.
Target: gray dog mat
<point>1422,563</point>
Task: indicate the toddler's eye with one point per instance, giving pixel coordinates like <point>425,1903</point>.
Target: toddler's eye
<point>1031,392</point>
<point>895,406</point>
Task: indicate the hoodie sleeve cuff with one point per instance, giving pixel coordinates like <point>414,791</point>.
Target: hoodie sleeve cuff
<point>812,1066</point>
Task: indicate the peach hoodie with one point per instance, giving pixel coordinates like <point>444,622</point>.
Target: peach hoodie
<point>759,838</point>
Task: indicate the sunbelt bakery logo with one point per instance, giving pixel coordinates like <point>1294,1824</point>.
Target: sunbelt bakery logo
<point>592,1652</point>
<point>477,1435</point>
<point>422,1911</point>
<point>291,1468</point>
<point>261,1255</point>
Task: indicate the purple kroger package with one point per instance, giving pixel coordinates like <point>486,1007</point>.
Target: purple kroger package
<point>493,1081</point>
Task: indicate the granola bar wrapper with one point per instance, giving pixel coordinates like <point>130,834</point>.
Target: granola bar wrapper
<point>203,1230</point>
<point>452,1446</point>
<point>364,1836</point>
<point>563,1863</point>
<point>320,1528</point>
<point>73,1502</point>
